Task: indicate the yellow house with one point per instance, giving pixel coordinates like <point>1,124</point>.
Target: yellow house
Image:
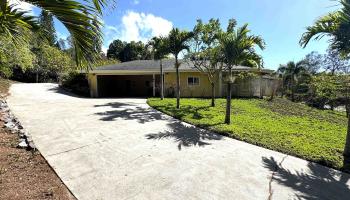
<point>141,78</point>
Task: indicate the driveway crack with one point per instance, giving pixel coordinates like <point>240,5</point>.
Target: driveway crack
<point>277,167</point>
<point>69,150</point>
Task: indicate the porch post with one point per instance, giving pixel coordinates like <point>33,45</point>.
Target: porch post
<point>154,85</point>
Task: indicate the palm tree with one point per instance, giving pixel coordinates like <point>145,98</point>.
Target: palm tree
<point>335,25</point>
<point>160,51</point>
<point>177,43</point>
<point>76,16</point>
<point>291,73</point>
<point>238,48</point>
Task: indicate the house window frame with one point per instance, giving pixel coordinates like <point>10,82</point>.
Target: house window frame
<point>193,85</point>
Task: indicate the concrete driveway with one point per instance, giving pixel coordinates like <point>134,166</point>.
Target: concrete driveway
<point>123,149</point>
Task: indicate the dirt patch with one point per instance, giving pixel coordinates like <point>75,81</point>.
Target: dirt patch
<point>26,174</point>
<point>4,86</point>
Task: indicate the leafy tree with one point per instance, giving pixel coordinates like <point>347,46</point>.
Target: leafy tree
<point>334,63</point>
<point>160,51</point>
<point>135,51</point>
<point>69,12</point>
<point>128,51</point>
<point>47,27</point>
<point>335,25</point>
<point>116,49</point>
<point>104,61</point>
<point>314,62</point>
<point>54,60</point>
<point>178,41</point>
<point>238,47</point>
<point>205,53</point>
<point>291,75</point>
<point>326,88</point>
<point>14,56</point>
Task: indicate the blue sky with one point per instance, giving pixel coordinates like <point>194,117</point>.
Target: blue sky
<point>280,22</point>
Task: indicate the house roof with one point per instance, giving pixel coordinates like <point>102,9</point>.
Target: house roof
<point>149,66</point>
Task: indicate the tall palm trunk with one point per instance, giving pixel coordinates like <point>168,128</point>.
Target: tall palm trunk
<point>161,80</point>
<point>212,94</point>
<point>228,99</point>
<point>346,153</point>
<point>177,83</point>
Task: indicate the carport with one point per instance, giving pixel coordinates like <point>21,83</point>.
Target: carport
<point>128,85</point>
<point>138,78</point>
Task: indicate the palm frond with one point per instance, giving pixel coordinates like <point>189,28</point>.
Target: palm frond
<point>325,25</point>
<point>77,18</point>
<point>177,40</point>
<point>15,22</point>
<point>238,47</point>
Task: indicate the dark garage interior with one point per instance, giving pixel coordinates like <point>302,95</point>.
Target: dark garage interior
<point>126,85</point>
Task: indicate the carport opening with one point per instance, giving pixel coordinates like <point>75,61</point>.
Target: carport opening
<point>127,85</point>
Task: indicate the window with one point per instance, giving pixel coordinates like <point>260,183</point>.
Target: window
<point>191,81</point>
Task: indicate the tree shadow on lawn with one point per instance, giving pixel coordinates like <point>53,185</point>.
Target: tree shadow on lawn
<point>185,135</point>
<point>319,183</point>
<point>185,110</point>
<point>129,111</point>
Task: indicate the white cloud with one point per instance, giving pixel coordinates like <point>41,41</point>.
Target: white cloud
<point>135,2</point>
<point>22,5</point>
<point>137,27</point>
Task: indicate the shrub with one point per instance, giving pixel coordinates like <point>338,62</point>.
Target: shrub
<point>76,83</point>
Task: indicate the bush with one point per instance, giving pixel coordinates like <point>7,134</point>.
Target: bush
<point>30,75</point>
<point>76,83</point>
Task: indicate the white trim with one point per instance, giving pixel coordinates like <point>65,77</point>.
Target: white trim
<point>199,81</point>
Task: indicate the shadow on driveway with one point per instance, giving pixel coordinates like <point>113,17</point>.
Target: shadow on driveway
<point>129,111</point>
<point>318,184</point>
<point>183,134</point>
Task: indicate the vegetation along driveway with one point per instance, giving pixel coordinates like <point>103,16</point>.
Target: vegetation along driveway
<point>123,149</point>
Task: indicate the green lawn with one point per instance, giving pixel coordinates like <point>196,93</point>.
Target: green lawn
<point>280,125</point>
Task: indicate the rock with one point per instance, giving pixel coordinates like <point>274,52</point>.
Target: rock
<point>31,146</point>
<point>9,125</point>
<point>22,144</point>
<point>5,109</point>
<point>7,119</point>
<point>22,133</point>
<point>20,126</point>
<point>14,130</point>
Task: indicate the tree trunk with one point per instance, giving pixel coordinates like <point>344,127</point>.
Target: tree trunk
<point>292,88</point>
<point>161,81</point>
<point>228,99</point>
<point>213,94</point>
<point>177,83</point>
<point>260,83</point>
<point>346,153</point>
<point>37,76</point>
